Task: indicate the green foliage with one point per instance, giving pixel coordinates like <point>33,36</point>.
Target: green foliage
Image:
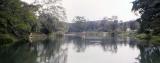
<point>6,39</point>
<point>49,23</point>
<point>23,27</point>
<point>150,15</point>
<point>141,36</point>
<point>145,37</point>
<point>51,17</point>
<point>155,39</point>
<point>16,19</point>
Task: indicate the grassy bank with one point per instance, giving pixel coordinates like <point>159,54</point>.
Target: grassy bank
<point>150,38</point>
<point>7,39</point>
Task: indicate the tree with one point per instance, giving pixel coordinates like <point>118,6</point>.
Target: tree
<point>150,15</point>
<point>103,25</point>
<point>16,19</point>
<point>79,23</point>
<point>53,7</point>
<point>50,23</point>
<point>51,16</point>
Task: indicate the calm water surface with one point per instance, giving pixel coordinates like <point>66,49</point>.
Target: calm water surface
<point>86,49</point>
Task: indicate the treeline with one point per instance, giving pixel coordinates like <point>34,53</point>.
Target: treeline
<point>18,19</point>
<point>80,24</point>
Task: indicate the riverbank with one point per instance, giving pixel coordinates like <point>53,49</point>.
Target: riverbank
<point>148,38</point>
<point>7,40</point>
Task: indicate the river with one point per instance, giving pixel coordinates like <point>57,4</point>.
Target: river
<point>76,49</point>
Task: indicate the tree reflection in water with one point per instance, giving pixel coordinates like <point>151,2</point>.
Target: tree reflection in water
<point>108,43</point>
<point>149,53</point>
<point>51,51</point>
<point>47,51</point>
<point>55,50</point>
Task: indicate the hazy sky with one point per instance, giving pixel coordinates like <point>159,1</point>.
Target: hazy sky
<point>97,9</point>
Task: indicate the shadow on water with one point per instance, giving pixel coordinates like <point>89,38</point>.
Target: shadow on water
<point>55,50</point>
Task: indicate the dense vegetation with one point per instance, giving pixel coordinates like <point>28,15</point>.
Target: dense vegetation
<point>149,11</point>
<point>49,24</point>
<point>150,17</point>
<point>51,16</point>
<point>80,24</point>
<point>18,19</point>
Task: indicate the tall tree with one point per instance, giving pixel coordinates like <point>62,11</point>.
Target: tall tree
<point>50,23</point>
<point>150,15</point>
<point>53,7</point>
<point>51,16</point>
<point>80,23</point>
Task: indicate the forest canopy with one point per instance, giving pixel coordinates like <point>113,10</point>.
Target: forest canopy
<point>18,19</point>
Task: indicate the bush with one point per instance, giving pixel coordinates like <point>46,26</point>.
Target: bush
<point>141,36</point>
<point>155,39</point>
<point>6,39</point>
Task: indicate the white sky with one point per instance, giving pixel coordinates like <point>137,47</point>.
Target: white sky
<point>97,9</point>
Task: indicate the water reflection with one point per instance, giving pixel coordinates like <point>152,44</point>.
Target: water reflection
<point>149,53</point>
<point>87,49</point>
<point>108,43</point>
<point>102,49</point>
<point>47,51</point>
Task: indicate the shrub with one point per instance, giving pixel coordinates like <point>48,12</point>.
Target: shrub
<point>6,39</point>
